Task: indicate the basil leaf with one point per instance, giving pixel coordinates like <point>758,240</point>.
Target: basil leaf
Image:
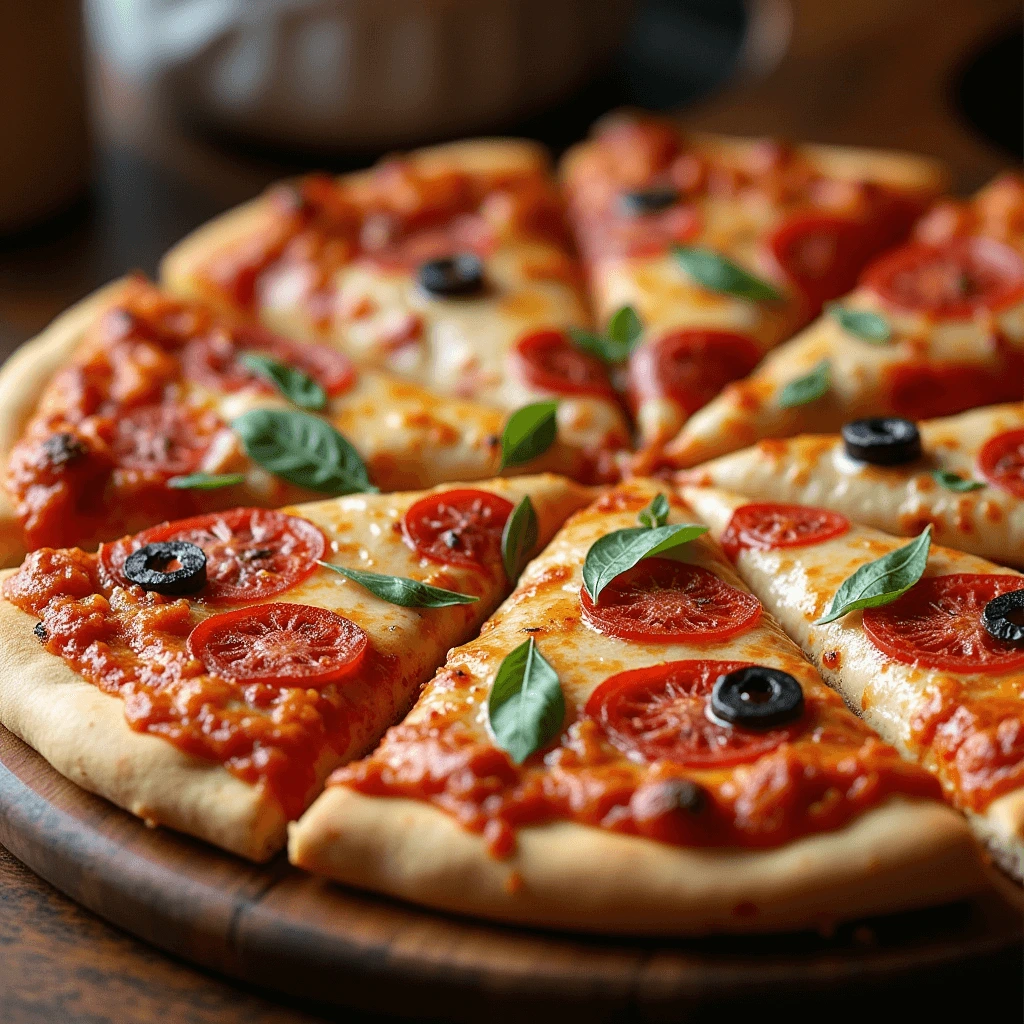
<point>808,388</point>
<point>302,449</point>
<point>624,332</point>
<point>205,481</point>
<point>656,514</point>
<point>529,432</point>
<point>526,706</point>
<point>955,482</point>
<point>625,327</point>
<point>712,270</point>
<point>616,552</point>
<point>401,590</point>
<point>861,323</point>
<point>519,538</point>
<point>881,581</point>
<point>298,387</point>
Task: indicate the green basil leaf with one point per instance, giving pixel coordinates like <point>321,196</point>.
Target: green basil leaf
<point>519,538</point>
<point>955,482</point>
<point>616,552</point>
<point>401,590</point>
<point>529,432</point>
<point>616,346</point>
<point>881,581</point>
<point>205,481</point>
<point>861,323</point>
<point>298,387</point>
<point>656,514</point>
<point>808,388</point>
<point>526,706</point>
<point>302,449</point>
<point>718,274</point>
<point>625,327</point>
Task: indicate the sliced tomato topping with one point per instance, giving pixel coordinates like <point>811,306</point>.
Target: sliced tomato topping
<point>1001,461</point>
<point>924,391</point>
<point>767,526</point>
<point>663,601</point>
<point>547,360</point>
<point>650,234</point>
<point>953,280</point>
<point>279,644</point>
<point>251,553</point>
<point>661,714</point>
<point>689,366</point>
<point>461,527</point>
<point>168,439</point>
<point>937,624</point>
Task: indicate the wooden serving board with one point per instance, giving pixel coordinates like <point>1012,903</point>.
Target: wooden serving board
<point>276,927</point>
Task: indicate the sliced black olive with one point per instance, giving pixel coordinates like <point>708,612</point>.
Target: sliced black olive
<point>1003,617</point>
<point>147,567</point>
<point>41,632</point>
<point>882,441</point>
<point>462,274</point>
<point>60,449</point>
<point>757,698</point>
<point>649,200</point>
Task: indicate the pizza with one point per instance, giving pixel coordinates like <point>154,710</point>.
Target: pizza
<point>934,327</point>
<point>135,407</point>
<point>925,643</point>
<point>962,474</point>
<point>724,247</point>
<point>208,673</point>
<point>602,762</point>
<point>450,266</point>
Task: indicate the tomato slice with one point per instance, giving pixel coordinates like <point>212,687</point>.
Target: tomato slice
<point>1001,461</point>
<point>954,280</point>
<point>661,714</point>
<point>547,360</point>
<point>924,391</point>
<point>663,601</point>
<point>251,553</point>
<point>168,439</point>
<point>766,526</point>
<point>689,366</point>
<point>460,527</point>
<point>279,644</point>
<point>651,234</point>
<point>937,624</point>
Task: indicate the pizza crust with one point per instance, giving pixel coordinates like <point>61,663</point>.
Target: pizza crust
<point>901,855</point>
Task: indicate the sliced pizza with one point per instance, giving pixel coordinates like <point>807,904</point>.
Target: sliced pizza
<point>925,642</point>
<point>724,246</point>
<point>207,674</point>
<point>633,745</point>
<point>963,474</point>
<point>935,327</point>
<point>449,266</point>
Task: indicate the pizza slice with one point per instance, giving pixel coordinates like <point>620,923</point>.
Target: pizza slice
<point>962,474</point>
<point>924,642</point>
<point>633,745</point>
<point>724,246</point>
<point>136,407</point>
<point>208,673</point>
<point>449,266</point>
<point>934,328</point>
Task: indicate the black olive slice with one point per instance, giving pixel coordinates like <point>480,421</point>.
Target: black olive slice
<point>147,567</point>
<point>882,441</point>
<point>757,698</point>
<point>649,200</point>
<point>461,274</point>
<point>41,632</point>
<point>1003,617</point>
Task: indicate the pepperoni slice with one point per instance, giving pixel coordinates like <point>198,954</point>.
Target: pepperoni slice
<point>937,624</point>
<point>168,439</point>
<point>279,644</point>
<point>663,601</point>
<point>661,714</point>
<point>251,553</point>
<point>548,361</point>
<point>924,391</point>
<point>689,366</point>
<point>767,526</point>
<point>461,527</point>
<point>1001,461</point>
<point>954,280</point>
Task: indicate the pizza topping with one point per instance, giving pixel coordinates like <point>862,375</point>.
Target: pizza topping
<point>166,439</point>
<point>519,538</point>
<point>861,323</point>
<point>713,271</point>
<point>279,645</point>
<point>920,390</point>
<point>615,345</point>
<point>529,432</point>
<point>1003,617</point>
<point>1001,461</point>
<point>767,527</point>
<point>401,590</point>
<point>882,441</point>
<point>298,387</point>
<point>661,600</point>
<point>547,360</point>
<point>939,624</point>
<point>809,388</point>
<point>955,482</point>
<point>757,697</point>
<point>60,449</point>
<point>205,481</point>
<point>655,513</point>
<point>167,567</point>
<point>452,276</point>
<point>640,202</point>
<point>461,527</point>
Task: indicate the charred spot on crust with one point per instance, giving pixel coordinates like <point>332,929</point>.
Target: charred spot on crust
<point>673,795</point>
<point>60,449</point>
<point>42,634</point>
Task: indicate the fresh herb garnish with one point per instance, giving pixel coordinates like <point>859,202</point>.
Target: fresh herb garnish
<point>529,432</point>
<point>617,343</point>
<point>955,482</point>
<point>861,323</point>
<point>656,513</point>
<point>401,590</point>
<point>808,388</point>
<point>205,481</point>
<point>519,538</point>
<point>713,271</point>
<point>298,387</point>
